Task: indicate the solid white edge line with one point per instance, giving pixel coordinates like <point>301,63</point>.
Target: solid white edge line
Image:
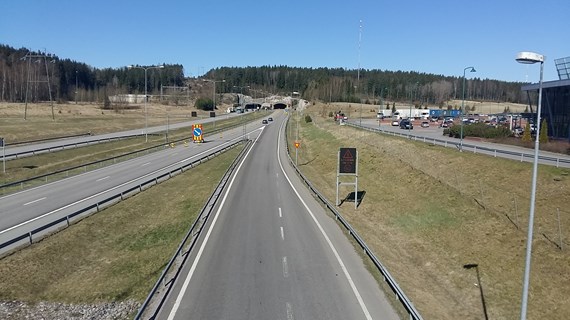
<point>335,252</point>
<point>116,187</point>
<point>205,241</point>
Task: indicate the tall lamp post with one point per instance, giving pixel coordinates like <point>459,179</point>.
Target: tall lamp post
<point>530,58</point>
<point>76,84</point>
<point>471,69</point>
<point>214,101</point>
<point>145,68</point>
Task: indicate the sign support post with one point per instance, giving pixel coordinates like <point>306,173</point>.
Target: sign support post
<point>347,165</point>
<point>3,143</point>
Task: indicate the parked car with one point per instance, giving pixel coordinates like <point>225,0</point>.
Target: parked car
<point>269,119</point>
<point>395,123</point>
<point>263,121</point>
<point>406,124</point>
<point>425,124</point>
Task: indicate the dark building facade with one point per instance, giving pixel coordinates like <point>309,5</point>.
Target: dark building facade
<point>555,106</point>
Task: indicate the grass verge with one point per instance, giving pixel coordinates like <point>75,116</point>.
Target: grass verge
<point>428,211</point>
<point>116,254</point>
<point>24,168</point>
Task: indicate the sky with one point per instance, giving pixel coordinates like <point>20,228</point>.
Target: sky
<point>438,37</point>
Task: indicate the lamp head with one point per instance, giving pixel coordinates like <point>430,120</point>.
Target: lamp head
<point>472,70</point>
<point>528,57</point>
<point>470,265</point>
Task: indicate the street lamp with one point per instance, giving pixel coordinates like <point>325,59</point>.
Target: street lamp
<point>145,68</point>
<point>214,101</point>
<point>462,107</point>
<point>76,83</point>
<point>530,58</point>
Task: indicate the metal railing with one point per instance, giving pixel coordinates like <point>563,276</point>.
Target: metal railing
<point>406,303</point>
<point>48,139</point>
<point>22,154</point>
<point>125,156</point>
<point>522,156</point>
<point>180,256</point>
<point>16,241</point>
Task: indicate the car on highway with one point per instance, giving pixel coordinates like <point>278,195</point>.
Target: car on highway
<point>425,124</point>
<point>406,124</point>
<point>269,119</point>
<point>395,123</point>
<point>263,121</point>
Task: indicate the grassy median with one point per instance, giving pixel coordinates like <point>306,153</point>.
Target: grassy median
<point>116,254</point>
<point>428,211</point>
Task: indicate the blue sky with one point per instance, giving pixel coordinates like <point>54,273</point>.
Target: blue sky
<point>439,36</point>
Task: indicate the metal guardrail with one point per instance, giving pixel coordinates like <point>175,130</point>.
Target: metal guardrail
<point>162,145</point>
<point>192,234</point>
<point>28,153</point>
<point>554,161</point>
<point>406,303</point>
<point>106,202</point>
<point>48,139</point>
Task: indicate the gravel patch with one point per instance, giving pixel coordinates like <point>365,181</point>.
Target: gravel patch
<point>16,310</point>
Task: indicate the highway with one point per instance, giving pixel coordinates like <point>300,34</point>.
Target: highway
<point>12,150</point>
<point>23,211</point>
<point>271,252</point>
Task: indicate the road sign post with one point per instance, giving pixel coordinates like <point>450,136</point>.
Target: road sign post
<point>297,145</point>
<point>2,144</point>
<point>347,165</point>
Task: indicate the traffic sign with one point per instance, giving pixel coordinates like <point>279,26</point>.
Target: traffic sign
<point>347,160</point>
<point>197,133</point>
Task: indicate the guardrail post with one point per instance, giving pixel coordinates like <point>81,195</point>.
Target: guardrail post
<point>557,162</point>
<point>522,157</point>
<point>67,220</point>
<point>30,234</point>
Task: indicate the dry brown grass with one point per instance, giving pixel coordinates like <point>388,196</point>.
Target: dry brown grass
<point>77,119</point>
<point>116,254</point>
<point>429,210</point>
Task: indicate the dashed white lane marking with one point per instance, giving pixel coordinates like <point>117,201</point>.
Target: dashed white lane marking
<point>104,178</point>
<point>322,230</point>
<point>145,164</point>
<point>285,268</point>
<point>289,311</point>
<point>282,234</point>
<point>40,199</point>
<point>280,215</point>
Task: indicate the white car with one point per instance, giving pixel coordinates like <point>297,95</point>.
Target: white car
<point>395,123</point>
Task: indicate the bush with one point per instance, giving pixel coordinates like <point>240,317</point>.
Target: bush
<point>479,130</point>
<point>308,119</point>
<point>205,104</point>
<point>331,114</point>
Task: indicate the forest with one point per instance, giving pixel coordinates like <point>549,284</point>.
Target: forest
<point>24,71</point>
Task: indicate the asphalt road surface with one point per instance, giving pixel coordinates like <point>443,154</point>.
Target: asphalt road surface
<point>32,208</point>
<point>271,252</point>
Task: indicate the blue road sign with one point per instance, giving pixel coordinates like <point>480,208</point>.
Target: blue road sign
<point>197,132</point>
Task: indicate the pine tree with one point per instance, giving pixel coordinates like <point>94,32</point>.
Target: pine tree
<point>526,134</point>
